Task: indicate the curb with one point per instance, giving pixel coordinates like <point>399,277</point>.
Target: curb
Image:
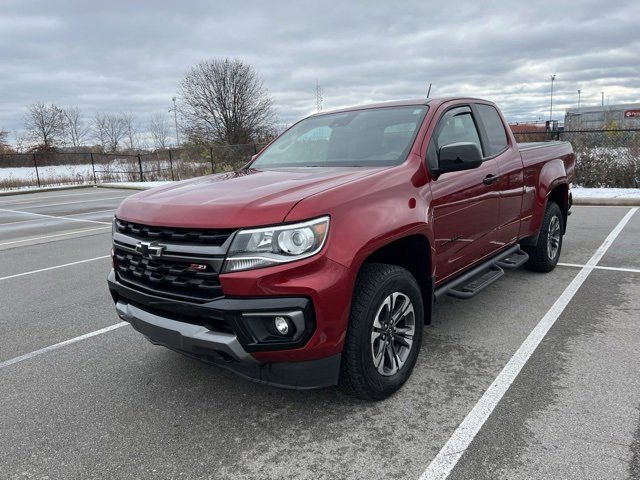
<point>124,187</point>
<point>43,189</point>
<point>612,202</point>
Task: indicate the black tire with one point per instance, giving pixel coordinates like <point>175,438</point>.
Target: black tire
<point>540,257</point>
<point>376,284</point>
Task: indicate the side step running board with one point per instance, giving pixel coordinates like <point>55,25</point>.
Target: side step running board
<point>477,279</point>
<point>515,260</point>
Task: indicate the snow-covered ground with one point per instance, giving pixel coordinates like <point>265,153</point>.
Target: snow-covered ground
<point>29,173</point>
<point>581,192</point>
<point>119,170</point>
<point>81,171</point>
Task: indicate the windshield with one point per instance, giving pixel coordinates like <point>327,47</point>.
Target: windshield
<point>361,138</point>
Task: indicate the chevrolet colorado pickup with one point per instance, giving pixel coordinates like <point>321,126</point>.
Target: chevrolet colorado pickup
<point>319,262</point>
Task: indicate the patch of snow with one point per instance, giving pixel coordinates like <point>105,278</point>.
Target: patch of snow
<point>119,169</point>
<point>29,173</point>
<point>581,192</point>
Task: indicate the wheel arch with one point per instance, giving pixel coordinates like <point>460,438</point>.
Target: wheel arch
<point>413,253</point>
<point>560,195</point>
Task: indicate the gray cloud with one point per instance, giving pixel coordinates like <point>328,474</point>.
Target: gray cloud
<point>129,56</point>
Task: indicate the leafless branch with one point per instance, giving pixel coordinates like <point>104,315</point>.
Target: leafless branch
<point>225,100</point>
<point>45,125</point>
<point>131,139</point>
<point>77,131</point>
<point>109,130</point>
<point>159,130</point>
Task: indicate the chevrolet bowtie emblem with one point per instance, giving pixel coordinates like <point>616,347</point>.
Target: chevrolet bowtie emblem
<point>149,250</point>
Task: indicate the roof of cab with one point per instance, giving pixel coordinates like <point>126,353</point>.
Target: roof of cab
<point>397,103</point>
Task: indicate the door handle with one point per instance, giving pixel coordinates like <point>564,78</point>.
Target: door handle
<point>489,179</point>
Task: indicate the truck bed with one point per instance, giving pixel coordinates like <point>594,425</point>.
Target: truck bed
<point>531,145</point>
<point>538,153</point>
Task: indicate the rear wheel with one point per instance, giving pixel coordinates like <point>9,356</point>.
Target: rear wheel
<point>544,256</point>
<point>385,332</point>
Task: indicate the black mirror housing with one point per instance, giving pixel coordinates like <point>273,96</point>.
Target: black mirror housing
<point>458,156</point>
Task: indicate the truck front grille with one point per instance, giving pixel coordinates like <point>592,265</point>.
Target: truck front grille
<point>213,237</point>
<point>167,278</point>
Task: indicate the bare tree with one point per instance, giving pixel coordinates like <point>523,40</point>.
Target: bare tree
<point>20,141</point>
<point>131,138</point>
<point>116,131</point>
<point>99,129</point>
<point>109,130</point>
<point>45,125</point>
<point>76,129</point>
<point>225,100</point>
<point>159,130</point>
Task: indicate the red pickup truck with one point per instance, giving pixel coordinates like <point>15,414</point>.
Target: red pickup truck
<point>319,262</point>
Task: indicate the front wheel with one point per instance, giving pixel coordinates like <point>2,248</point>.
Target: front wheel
<point>544,256</point>
<point>385,332</point>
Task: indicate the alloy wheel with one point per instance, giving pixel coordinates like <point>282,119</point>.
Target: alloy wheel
<point>392,333</point>
<point>553,238</point>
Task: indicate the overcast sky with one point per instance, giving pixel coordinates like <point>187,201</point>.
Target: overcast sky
<point>130,55</point>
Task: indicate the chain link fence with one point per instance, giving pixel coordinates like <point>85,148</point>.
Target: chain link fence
<point>76,168</point>
<point>604,158</point>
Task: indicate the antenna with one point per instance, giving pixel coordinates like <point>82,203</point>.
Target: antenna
<point>429,91</point>
<point>319,97</point>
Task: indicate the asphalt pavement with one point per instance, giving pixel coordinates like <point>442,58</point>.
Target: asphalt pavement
<point>111,405</point>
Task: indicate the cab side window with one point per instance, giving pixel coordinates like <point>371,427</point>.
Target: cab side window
<point>457,125</point>
<point>458,128</point>
<point>494,128</point>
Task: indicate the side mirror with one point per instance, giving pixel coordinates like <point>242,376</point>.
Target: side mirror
<point>458,156</point>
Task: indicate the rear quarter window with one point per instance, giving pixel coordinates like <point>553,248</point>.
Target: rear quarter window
<point>496,136</point>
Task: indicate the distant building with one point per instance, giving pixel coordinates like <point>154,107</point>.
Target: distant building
<point>600,117</point>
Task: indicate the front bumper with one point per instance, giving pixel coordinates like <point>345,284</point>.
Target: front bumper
<point>214,333</point>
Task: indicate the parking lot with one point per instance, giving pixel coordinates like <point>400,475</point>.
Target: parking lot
<point>109,404</point>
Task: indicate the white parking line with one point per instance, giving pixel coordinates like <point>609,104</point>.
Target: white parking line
<point>8,277</point>
<point>79,201</point>
<point>442,465</point>
<point>616,269</point>
<point>73,232</point>
<point>37,199</point>
<point>52,216</point>
<point>27,356</point>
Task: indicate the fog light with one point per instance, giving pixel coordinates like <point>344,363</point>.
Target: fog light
<point>281,324</point>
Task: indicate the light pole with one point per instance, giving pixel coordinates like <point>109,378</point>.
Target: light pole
<point>602,93</point>
<point>175,120</point>
<point>319,97</point>
<point>553,77</point>
<point>578,98</point>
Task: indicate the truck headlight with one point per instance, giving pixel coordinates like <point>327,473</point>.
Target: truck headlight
<point>263,247</point>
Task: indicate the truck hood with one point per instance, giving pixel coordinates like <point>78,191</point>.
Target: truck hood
<point>244,198</point>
